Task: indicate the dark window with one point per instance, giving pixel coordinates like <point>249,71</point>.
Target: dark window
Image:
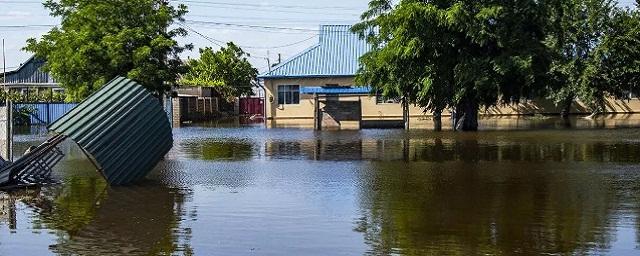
<point>384,100</point>
<point>288,94</point>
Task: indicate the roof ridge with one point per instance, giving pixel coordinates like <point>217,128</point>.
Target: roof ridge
<point>289,60</point>
<point>335,54</point>
<point>22,65</point>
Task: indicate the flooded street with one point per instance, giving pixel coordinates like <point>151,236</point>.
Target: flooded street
<point>256,191</point>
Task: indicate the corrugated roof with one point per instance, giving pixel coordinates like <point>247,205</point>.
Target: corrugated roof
<point>336,54</point>
<point>29,73</point>
<point>123,127</point>
<point>334,90</point>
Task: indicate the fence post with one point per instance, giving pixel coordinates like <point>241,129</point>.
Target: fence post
<point>48,113</point>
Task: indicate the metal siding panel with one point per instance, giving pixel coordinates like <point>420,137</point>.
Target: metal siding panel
<point>30,73</point>
<point>123,127</point>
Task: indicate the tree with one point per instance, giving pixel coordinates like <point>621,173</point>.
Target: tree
<point>617,66</point>
<point>99,40</point>
<point>576,30</point>
<point>461,54</point>
<point>227,70</point>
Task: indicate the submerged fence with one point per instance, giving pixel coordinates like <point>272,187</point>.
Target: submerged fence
<point>45,113</point>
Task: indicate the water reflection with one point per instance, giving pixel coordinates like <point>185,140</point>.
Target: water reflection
<point>471,209</point>
<point>379,192</point>
<point>87,217</point>
<point>219,149</point>
<point>448,147</point>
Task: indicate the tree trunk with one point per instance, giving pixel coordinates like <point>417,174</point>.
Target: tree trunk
<point>566,107</point>
<point>467,116</point>
<point>437,120</point>
<point>405,113</point>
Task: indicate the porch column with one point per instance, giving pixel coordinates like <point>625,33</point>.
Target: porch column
<point>316,113</point>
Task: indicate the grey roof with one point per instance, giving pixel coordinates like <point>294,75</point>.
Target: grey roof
<point>336,54</point>
<point>29,73</point>
<point>123,127</point>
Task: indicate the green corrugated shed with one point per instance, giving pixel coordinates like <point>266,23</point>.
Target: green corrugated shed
<point>123,127</point>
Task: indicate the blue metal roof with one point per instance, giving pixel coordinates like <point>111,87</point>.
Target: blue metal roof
<point>336,54</point>
<point>334,90</point>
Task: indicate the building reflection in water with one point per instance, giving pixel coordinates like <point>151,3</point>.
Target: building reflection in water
<point>448,148</point>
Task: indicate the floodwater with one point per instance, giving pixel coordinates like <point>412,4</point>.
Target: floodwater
<point>256,191</point>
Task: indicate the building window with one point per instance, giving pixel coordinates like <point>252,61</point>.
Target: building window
<point>384,100</point>
<point>288,94</point>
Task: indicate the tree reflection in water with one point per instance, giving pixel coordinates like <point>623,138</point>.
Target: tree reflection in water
<point>484,208</point>
<point>89,218</point>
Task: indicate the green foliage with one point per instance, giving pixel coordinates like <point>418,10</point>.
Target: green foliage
<point>617,68</point>
<point>46,96</point>
<point>99,40</point>
<point>459,54</point>
<point>227,70</point>
<point>22,115</point>
<point>575,33</point>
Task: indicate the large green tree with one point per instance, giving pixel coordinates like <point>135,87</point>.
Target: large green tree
<point>462,54</point>
<point>617,66</point>
<point>227,70</point>
<point>575,33</point>
<point>99,40</point>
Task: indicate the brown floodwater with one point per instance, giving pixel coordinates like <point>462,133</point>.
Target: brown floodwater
<point>229,190</point>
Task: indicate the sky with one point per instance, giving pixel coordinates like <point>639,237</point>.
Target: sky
<point>296,24</point>
<point>264,28</point>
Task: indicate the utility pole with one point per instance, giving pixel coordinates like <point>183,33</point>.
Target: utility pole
<point>9,108</point>
<point>268,62</point>
<point>4,68</point>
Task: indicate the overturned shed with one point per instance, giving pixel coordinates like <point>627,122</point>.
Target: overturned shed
<point>122,127</point>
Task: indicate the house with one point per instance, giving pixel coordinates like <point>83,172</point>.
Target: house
<point>29,78</point>
<point>317,88</point>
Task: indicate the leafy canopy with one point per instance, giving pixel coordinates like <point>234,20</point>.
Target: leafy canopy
<point>99,40</point>
<point>576,31</point>
<point>460,54</point>
<point>618,56</point>
<point>227,70</point>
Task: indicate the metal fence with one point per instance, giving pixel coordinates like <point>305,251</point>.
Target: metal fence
<point>45,113</point>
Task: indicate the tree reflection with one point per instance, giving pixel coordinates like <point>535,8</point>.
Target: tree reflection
<point>475,208</point>
<point>90,218</point>
<point>227,149</point>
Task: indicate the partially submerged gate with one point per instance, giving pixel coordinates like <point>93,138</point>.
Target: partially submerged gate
<point>337,107</point>
<point>122,128</point>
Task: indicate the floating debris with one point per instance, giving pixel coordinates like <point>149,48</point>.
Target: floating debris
<point>34,167</point>
<point>122,128</point>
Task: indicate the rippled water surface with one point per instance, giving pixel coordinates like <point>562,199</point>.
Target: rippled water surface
<point>256,191</point>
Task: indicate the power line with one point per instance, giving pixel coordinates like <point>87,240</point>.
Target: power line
<point>262,9</point>
<point>28,26</point>
<point>280,46</point>
<point>215,41</point>
<point>251,26</point>
<point>271,5</point>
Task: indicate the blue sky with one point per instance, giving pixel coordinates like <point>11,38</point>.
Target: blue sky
<point>304,16</point>
<point>220,20</point>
